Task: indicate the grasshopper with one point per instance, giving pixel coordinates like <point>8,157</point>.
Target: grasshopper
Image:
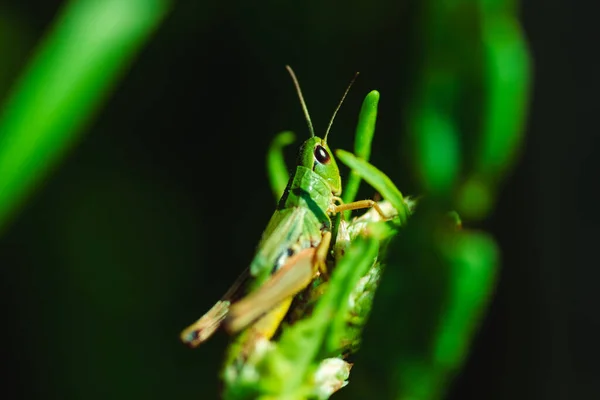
<point>293,248</point>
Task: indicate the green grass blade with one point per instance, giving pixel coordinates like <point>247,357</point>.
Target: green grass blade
<point>380,181</point>
<point>276,168</point>
<point>70,74</point>
<point>365,130</point>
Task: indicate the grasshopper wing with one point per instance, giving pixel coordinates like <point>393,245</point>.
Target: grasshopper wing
<point>294,276</point>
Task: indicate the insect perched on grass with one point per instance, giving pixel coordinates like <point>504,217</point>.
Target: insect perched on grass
<point>307,234</point>
<point>293,249</point>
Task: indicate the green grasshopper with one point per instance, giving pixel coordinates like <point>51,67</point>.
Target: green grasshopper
<point>307,231</point>
<point>293,248</point>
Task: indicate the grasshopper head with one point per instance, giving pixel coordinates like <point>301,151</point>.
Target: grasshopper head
<point>314,153</point>
<point>316,156</point>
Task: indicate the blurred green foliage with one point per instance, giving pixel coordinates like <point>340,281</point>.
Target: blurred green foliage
<point>73,69</point>
<point>465,126</point>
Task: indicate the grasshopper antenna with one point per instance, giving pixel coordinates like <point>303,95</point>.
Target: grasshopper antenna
<point>297,85</point>
<point>338,107</point>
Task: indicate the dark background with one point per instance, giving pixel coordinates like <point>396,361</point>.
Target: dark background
<point>150,218</point>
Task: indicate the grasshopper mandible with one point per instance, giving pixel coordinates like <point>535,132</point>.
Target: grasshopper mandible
<point>293,248</point>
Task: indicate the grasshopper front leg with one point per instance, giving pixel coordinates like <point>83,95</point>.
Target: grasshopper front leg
<point>378,180</point>
<point>359,205</point>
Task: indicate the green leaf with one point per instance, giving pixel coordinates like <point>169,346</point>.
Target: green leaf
<point>365,130</point>
<point>277,171</point>
<point>72,72</point>
<point>376,178</point>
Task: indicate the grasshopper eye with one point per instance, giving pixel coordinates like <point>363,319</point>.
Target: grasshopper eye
<point>322,155</point>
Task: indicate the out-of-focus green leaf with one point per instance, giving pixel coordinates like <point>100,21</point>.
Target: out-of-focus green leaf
<point>438,147</point>
<point>72,71</point>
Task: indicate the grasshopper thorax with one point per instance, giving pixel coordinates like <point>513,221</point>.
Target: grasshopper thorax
<point>316,156</point>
